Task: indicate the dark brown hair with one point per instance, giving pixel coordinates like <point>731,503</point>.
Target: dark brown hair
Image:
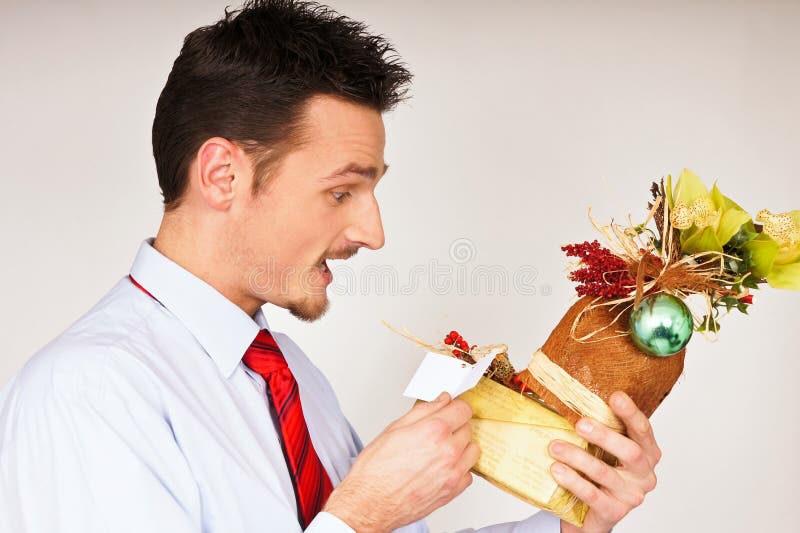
<point>247,77</point>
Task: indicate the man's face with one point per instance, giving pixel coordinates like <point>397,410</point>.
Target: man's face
<point>318,204</point>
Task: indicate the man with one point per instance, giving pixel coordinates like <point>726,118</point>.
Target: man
<point>170,406</point>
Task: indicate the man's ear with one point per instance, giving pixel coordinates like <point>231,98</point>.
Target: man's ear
<point>216,174</point>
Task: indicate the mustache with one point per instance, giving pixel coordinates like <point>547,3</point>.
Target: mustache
<point>346,253</point>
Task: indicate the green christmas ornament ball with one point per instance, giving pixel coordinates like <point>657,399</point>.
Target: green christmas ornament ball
<point>661,325</point>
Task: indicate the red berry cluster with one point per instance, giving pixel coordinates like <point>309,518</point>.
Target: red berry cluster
<point>457,342</point>
<point>602,274</point>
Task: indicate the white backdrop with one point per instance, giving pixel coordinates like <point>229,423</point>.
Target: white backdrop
<point>523,114</point>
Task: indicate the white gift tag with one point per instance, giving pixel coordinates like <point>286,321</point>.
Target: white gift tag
<point>441,373</point>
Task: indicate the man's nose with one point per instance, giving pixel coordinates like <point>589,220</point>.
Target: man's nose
<point>367,229</point>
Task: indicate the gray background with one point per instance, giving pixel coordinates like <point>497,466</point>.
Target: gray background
<point>523,115</point>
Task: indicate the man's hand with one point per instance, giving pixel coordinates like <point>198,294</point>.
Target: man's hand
<point>416,465</point>
<point>617,490</point>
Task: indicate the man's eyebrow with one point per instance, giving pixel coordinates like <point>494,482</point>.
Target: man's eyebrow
<point>369,172</point>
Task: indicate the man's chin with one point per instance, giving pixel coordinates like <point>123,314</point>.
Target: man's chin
<point>309,309</point>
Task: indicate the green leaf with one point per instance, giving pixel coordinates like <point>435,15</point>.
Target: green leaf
<point>762,251</point>
<point>746,232</point>
<point>785,277</point>
<point>751,282</point>
<point>786,256</point>
<point>689,187</point>
<point>730,223</point>
<point>658,244</point>
<point>713,325</point>
<point>704,240</point>
<point>733,216</point>
<point>722,201</point>
<point>668,191</point>
<point>731,302</point>
<point>734,265</point>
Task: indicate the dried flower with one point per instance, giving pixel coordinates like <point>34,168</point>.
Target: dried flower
<point>601,273</point>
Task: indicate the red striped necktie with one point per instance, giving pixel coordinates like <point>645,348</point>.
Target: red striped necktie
<point>311,483</point>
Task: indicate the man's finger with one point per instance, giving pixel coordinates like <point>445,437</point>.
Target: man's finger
<point>610,509</point>
<point>422,410</point>
<point>471,454</point>
<point>465,482</point>
<point>636,425</point>
<point>580,460</point>
<point>455,414</point>
<point>462,436</point>
<point>630,454</point>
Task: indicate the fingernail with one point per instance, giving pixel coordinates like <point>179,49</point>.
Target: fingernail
<point>584,426</point>
<point>556,447</point>
<point>442,397</point>
<point>619,401</point>
<point>559,470</point>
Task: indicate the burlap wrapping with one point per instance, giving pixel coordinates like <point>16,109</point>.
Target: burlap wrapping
<point>607,364</point>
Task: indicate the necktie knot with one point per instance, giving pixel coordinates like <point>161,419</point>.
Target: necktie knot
<point>264,356</point>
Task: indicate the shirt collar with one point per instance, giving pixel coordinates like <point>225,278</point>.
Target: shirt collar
<point>221,327</point>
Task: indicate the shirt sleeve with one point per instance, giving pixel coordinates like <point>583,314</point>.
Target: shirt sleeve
<point>541,522</point>
<point>328,523</point>
<point>85,448</point>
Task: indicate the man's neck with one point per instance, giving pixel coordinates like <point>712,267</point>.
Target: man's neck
<point>202,259</point>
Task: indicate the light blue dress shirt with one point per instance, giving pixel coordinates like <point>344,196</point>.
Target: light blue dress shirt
<point>140,417</point>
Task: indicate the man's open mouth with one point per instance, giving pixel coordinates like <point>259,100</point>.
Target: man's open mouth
<point>323,263</point>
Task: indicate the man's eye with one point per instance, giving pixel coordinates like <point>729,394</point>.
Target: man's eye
<point>341,196</point>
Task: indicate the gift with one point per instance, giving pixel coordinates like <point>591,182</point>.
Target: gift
<point>513,433</point>
<point>629,329</point>
<point>512,426</point>
<point>642,294</point>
